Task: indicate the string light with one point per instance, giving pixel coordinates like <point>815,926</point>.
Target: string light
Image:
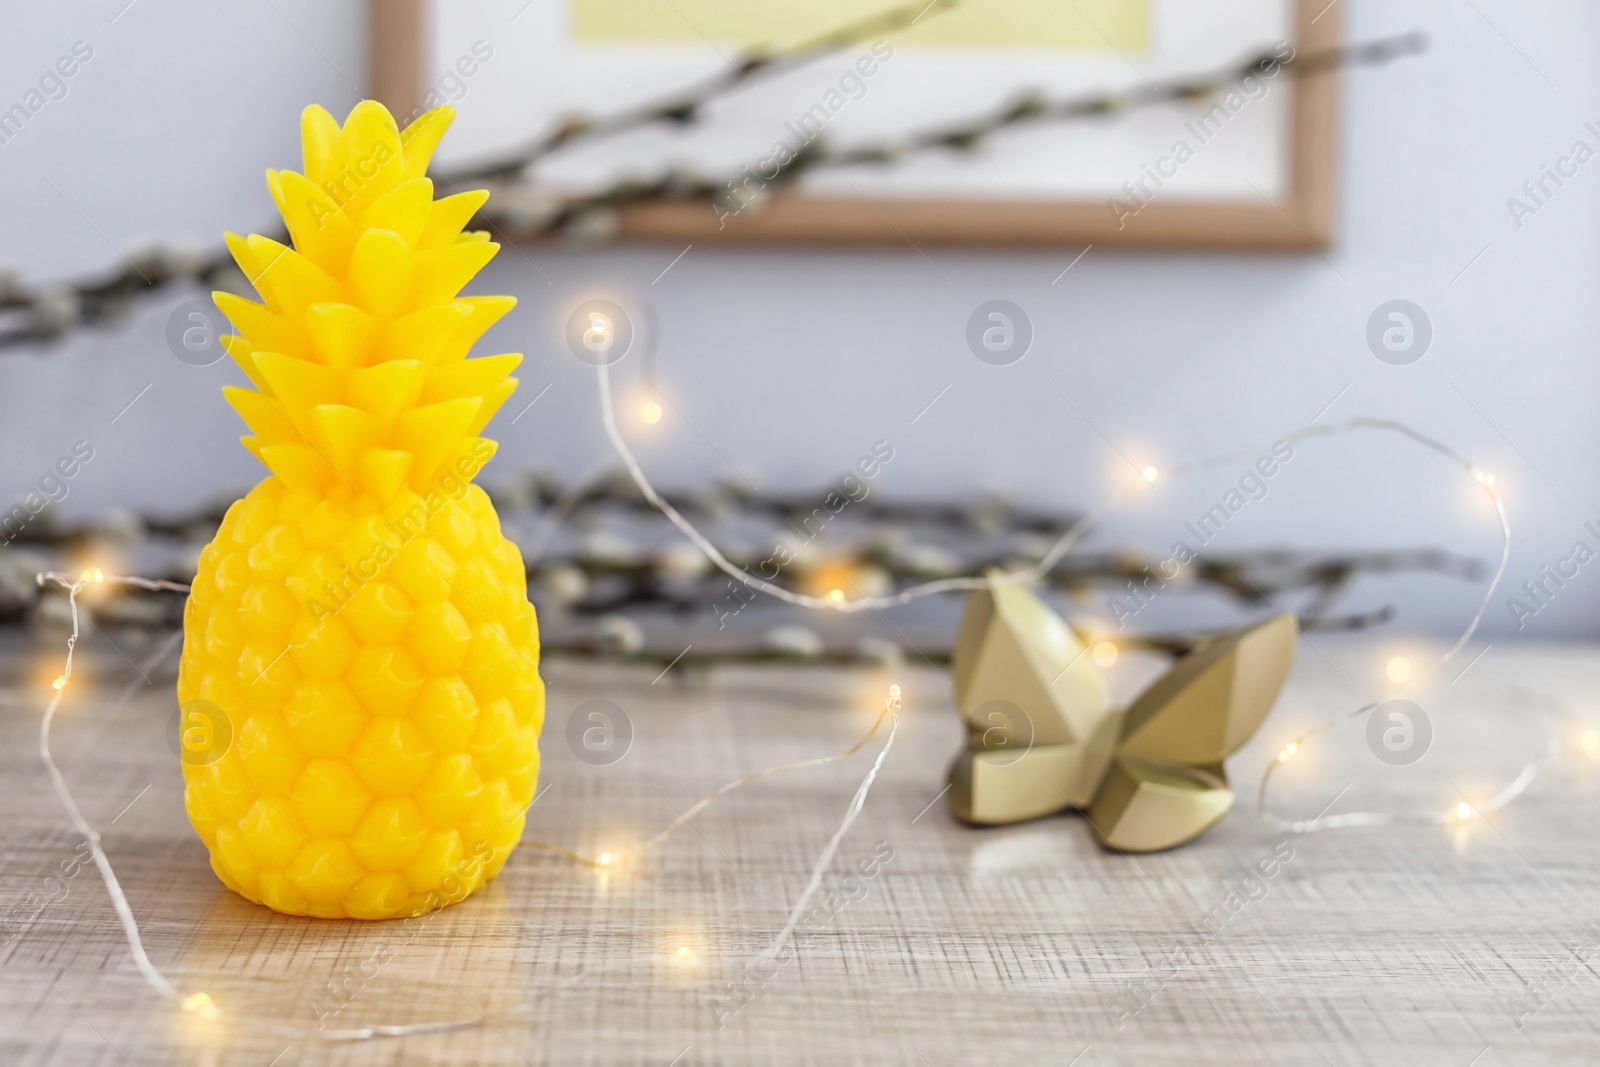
<point>202,1005</point>
<point>1399,665</point>
<point>1150,474</point>
<point>1105,653</point>
<point>1590,741</point>
<point>1288,751</point>
<point>1074,532</point>
<point>836,595</point>
<point>1463,811</point>
<point>1024,576</point>
<point>651,412</point>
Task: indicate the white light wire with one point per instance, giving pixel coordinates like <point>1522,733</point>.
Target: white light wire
<point>161,985</point>
<point>202,1004</point>
<point>1075,531</point>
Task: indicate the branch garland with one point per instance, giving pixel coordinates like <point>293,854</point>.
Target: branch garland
<point>33,315</point>
<point>617,580</point>
<point>687,106</point>
<point>44,314</point>
<point>521,210</point>
<point>601,589</point>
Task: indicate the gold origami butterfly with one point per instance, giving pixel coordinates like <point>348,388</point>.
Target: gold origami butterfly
<point>1042,735</point>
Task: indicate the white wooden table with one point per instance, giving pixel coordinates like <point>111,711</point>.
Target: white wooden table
<point>1015,945</point>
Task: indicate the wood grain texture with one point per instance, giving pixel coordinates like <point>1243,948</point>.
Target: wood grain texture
<point>1008,945</point>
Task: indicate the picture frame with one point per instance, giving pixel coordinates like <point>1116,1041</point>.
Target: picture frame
<point>1288,207</point>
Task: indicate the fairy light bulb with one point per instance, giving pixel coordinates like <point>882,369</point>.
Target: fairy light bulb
<point>200,1004</point>
<point>651,412</point>
<point>1485,479</point>
<point>598,337</point>
<point>1463,811</point>
<point>1398,669</point>
<point>1288,751</point>
<point>1150,474</point>
<point>93,575</point>
<point>1105,654</point>
<point>1590,742</point>
<point>836,595</point>
<point>60,683</point>
<point>604,859</point>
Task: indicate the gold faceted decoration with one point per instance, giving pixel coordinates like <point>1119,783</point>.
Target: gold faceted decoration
<point>1043,736</point>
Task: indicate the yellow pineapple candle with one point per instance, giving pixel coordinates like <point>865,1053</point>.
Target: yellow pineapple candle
<point>359,626</point>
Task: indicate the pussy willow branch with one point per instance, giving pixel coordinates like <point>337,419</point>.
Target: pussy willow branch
<point>36,314</point>
<point>771,649</point>
<point>1254,579</point>
<point>40,314</point>
<point>616,579</point>
<point>545,493</point>
<point>687,105</point>
<point>522,211</point>
<point>594,593</point>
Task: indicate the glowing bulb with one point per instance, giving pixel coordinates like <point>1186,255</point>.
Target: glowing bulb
<point>1590,741</point>
<point>201,1004</point>
<point>1150,474</point>
<point>93,574</point>
<point>1463,811</point>
<point>597,338</point>
<point>1398,669</point>
<point>1485,479</point>
<point>604,859</point>
<point>1105,654</point>
<point>59,684</point>
<point>836,595</point>
<point>683,952</point>
<point>651,412</point>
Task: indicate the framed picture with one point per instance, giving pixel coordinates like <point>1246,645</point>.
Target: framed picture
<point>1249,166</point>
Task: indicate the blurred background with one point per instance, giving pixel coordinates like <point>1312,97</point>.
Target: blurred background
<point>778,366</point>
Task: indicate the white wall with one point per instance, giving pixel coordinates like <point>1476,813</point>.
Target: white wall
<point>792,363</point>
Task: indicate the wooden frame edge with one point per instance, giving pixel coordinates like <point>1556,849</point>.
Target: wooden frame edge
<point>394,53</point>
<point>1303,221</point>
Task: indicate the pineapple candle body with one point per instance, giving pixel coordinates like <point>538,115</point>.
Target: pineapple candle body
<point>360,624</point>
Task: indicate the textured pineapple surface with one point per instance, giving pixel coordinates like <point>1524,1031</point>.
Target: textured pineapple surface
<point>360,623</point>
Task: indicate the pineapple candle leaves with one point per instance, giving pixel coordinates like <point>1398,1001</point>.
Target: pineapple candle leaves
<point>359,618</point>
<point>359,350</point>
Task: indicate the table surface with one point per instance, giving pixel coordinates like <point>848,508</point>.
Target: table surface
<point>1026,944</point>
